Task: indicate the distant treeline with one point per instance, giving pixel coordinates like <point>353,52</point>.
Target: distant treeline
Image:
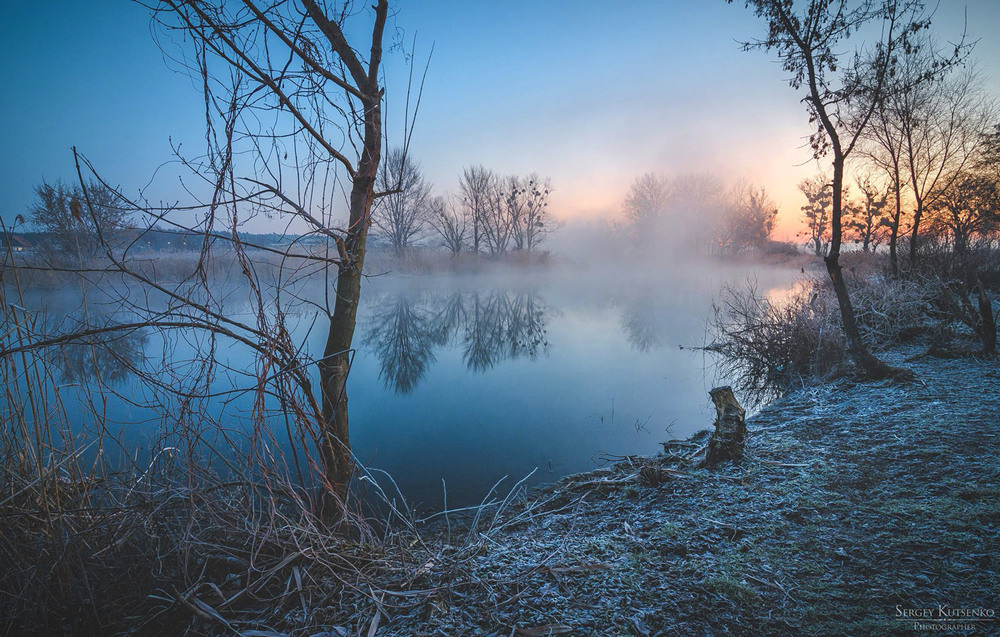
<point>154,239</point>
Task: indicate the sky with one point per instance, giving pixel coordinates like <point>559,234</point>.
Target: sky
<point>590,94</point>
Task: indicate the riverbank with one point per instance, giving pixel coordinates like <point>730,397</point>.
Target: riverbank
<point>859,509</point>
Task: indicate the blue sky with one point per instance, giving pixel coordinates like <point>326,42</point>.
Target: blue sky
<point>589,93</point>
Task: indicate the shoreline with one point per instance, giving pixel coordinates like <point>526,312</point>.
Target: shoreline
<point>856,506</point>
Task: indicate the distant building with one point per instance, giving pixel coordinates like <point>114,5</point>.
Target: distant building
<point>15,243</point>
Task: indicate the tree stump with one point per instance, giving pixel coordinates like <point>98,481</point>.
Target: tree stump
<point>730,428</point>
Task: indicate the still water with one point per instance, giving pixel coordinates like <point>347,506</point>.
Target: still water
<point>460,381</point>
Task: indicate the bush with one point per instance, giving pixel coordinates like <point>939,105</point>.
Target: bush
<point>765,345</point>
<point>965,284</point>
<point>779,249</point>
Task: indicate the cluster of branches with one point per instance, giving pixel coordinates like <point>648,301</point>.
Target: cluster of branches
<point>896,103</point>
<point>866,216</point>
<point>72,234</point>
<point>933,143</point>
<point>492,214</point>
<point>697,212</point>
<point>927,168</point>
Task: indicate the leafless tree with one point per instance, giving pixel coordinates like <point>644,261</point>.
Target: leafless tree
<point>478,189</point>
<point>811,39</point>
<point>882,147</point>
<point>645,204</point>
<point>966,210</point>
<point>696,205</point>
<point>819,200</point>
<point>501,213</point>
<point>527,201</point>
<point>401,214</point>
<point>941,120</point>
<point>749,221</point>
<point>292,108</point>
<point>451,223</point>
<point>866,218</point>
<point>695,213</point>
<point>537,223</point>
<point>72,232</point>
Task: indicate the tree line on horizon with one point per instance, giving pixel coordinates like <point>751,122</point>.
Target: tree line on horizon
<point>927,167</point>
<point>491,214</point>
<point>697,213</point>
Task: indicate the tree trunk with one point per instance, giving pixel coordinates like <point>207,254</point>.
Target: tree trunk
<point>729,438</point>
<point>894,230</point>
<point>987,321</point>
<point>335,366</point>
<point>917,214</point>
<point>869,365</point>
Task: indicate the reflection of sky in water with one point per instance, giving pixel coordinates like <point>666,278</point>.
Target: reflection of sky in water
<point>781,294</point>
<point>584,396</point>
<point>471,384</point>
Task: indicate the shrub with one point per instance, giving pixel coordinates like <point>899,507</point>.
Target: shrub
<point>766,344</point>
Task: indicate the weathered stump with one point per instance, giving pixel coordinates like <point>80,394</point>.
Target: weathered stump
<point>730,428</point>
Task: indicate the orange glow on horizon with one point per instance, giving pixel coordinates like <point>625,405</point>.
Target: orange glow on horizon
<point>591,203</point>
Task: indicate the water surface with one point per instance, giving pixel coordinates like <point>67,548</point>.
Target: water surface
<point>459,381</point>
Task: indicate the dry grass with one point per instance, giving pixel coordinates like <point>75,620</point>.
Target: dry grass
<point>94,541</point>
<point>97,540</point>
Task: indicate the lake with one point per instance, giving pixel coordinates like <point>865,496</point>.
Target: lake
<point>462,380</point>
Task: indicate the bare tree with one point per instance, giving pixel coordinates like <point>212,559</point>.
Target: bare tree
<point>882,147</point>
<point>451,223</point>
<point>819,201</point>
<point>866,219</point>
<point>500,213</point>
<point>72,232</point>
<point>809,38</point>
<point>696,205</point>
<point>401,214</point>
<point>966,210</point>
<point>477,187</point>
<point>695,213</point>
<point>527,200</point>
<point>645,204</point>
<point>941,120</point>
<point>749,221</point>
<point>282,79</point>
<point>537,223</point>
<point>514,198</point>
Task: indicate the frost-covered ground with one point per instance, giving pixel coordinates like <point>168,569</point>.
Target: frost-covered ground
<point>860,508</point>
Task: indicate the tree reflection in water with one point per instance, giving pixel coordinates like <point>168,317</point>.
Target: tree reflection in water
<point>487,327</point>
<point>403,335</point>
<point>642,321</point>
<point>501,327</point>
<point>109,355</point>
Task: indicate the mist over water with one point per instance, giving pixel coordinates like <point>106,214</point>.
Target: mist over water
<point>469,378</point>
<point>508,375</point>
